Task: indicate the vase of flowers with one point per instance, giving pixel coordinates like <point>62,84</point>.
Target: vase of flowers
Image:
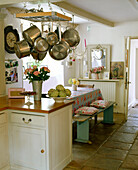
<point>97,71</point>
<point>74,83</point>
<point>36,77</point>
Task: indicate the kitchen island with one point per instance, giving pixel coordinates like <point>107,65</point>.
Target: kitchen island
<point>38,136</point>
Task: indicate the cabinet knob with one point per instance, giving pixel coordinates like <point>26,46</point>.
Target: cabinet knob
<point>42,151</point>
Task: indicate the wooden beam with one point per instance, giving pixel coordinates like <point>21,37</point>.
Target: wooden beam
<point>82,13</point>
<point>9,2</point>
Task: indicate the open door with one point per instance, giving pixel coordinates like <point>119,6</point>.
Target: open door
<point>127,66</point>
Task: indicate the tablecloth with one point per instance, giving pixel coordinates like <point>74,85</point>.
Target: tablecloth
<point>84,97</point>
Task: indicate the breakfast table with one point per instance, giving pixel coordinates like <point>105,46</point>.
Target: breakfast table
<point>84,97</point>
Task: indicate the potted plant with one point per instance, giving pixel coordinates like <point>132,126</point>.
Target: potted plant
<point>96,71</point>
<point>74,83</point>
<point>36,77</point>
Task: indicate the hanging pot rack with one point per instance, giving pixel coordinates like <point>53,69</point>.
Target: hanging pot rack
<point>43,16</point>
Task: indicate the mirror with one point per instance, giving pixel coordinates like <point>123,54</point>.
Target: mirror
<point>98,57</point>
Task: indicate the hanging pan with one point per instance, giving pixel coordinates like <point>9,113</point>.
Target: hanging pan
<point>41,45</point>
<point>52,38</point>
<point>22,49</point>
<point>37,55</point>
<point>31,34</point>
<point>59,51</point>
<point>72,37</point>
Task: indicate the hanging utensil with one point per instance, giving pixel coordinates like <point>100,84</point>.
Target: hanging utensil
<point>22,49</point>
<point>71,36</point>
<point>37,55</point>
<point>52,38</point>
<point>57,32</point>
<point>41,45</point>
<point>65,44</point>
<point>60,50</point>
<point>31,34</point>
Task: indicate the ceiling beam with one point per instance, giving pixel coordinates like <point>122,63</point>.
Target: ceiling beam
<point>7,2</point>
<point>10,2</point>
<point>82,13</point>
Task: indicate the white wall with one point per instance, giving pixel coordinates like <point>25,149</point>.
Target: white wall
<point>100,34</point>
<point>11,20</point>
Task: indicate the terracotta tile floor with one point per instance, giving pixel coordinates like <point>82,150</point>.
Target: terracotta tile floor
<point>114,147</point>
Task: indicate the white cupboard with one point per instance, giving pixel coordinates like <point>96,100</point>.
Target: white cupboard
<point>4,151</point>
<point>40,141</point>
<point>28,148</point>
<point>27,141</point>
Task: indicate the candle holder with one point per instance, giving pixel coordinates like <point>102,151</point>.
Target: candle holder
<point>28,94</point>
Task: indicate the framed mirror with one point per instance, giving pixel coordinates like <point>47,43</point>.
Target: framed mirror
<point>99,55</point>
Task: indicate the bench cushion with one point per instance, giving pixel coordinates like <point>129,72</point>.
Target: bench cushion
<point>101,104</point>
<point>86,110</point>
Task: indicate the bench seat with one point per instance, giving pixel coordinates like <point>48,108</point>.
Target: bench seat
<point>83,122</point>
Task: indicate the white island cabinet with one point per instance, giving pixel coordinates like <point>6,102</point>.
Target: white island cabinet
<point>4,152</point>
<point>27,142</point>
<point>40,141</point>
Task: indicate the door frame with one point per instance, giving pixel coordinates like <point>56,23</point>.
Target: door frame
<point>126,69</point>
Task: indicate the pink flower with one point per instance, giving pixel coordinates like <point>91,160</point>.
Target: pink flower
<point>36,73</point>
<point>34,67</point>
<point>26,71</point>
<point>30,70</point>
<point>46,69</point>
<point>97,69</point>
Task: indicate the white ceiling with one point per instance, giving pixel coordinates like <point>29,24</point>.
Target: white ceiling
<point>111,10</point>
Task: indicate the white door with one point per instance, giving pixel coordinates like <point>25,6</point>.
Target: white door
<point>127,66</point>
<point>28,148</point>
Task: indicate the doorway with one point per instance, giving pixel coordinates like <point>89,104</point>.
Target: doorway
<point>133,76</point>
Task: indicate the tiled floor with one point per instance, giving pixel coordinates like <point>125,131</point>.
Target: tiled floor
<point>114,147</point>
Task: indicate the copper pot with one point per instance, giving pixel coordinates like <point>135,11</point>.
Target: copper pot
<point>31,34</point>
<point>41,45</point>
<point>37,55</point>
<point>60,50</point>
<point>72,37</point>
<point>52,38</point>
<point>22,49</point>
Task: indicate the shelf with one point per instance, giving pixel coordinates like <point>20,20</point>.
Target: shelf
<point>101,80</point>
<point>43,16</point>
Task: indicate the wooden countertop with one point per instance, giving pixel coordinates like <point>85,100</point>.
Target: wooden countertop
<point>46,105</point>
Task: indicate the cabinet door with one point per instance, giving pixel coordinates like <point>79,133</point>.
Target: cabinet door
<point>4,153</point>
<point>28,148</point>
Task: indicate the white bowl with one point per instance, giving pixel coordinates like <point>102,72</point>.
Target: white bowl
<point>59,99</point>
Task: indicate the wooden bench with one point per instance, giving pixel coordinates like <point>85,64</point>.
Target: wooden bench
<point>83,122</point>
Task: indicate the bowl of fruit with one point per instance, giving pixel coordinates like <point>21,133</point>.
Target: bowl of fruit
<point>59,94</point>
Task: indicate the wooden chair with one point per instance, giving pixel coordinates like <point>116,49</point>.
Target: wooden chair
<point>85,85</point>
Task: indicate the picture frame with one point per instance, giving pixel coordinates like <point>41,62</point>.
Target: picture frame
<point>106,75</point>
<point>86,75</point>
<point>15,93</point>
<point>11,71</point>
<point>117,70</point>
